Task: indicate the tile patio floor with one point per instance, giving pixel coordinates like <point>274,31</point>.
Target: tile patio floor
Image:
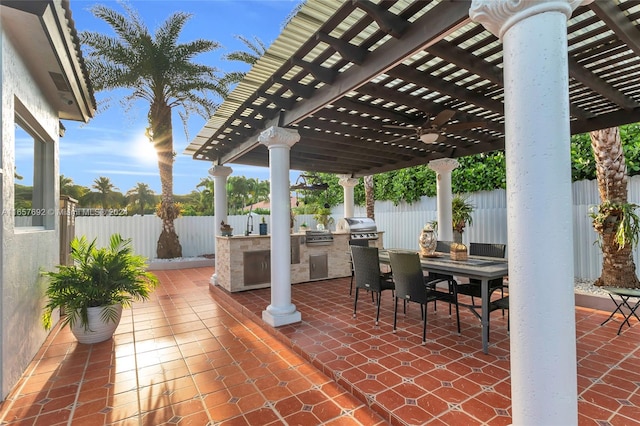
<point>195,356</point>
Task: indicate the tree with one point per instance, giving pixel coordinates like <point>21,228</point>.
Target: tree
<point>256,50</point>
<point>258,190</point>
<point>159,71</point>
<point>370,198</point>
<point>67,187</point>
<point>141,196</point>
<point>615,221</point>
<point>206,197</point>
<point>66,184</point>
<point>105,192</point>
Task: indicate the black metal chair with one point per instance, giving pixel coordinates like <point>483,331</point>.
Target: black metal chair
<point>473,289</point>
<point>441,247</point>
<point>368,276</point>
<point>361,243</point>
<point>411,286</point>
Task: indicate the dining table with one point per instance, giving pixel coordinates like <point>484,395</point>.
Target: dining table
<point>484,269</point>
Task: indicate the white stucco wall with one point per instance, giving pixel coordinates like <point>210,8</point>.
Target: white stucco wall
<point>23,254</point>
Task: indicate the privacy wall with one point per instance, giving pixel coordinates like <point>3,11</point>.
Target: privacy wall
<point>489,225</point>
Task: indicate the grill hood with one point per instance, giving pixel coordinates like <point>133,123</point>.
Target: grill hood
<point>359,227</point>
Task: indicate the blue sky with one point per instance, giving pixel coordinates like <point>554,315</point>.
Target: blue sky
<point>112,143</point>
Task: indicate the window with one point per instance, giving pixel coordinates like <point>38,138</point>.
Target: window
<point>34,198</point>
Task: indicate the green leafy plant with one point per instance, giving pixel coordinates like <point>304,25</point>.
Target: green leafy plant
<point>461,210</point>
<point>322,216</point>
<point>105,276</point>
<point>619,217</point>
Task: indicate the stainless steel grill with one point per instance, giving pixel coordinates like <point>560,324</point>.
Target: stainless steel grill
<point>360,228</point>
<point>319,238</point>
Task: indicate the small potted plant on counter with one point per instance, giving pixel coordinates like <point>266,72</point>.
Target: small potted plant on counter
<point>225,229</point>
<point>322,218</point>
<point>263,226</point>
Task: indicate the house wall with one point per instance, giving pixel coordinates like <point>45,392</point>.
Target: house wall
<point>24,252</point>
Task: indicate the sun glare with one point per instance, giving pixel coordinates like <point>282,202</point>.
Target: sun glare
<point>144,151</point>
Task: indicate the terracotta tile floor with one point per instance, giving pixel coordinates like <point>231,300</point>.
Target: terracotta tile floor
<point>191,356</point>
<point>449,381</point>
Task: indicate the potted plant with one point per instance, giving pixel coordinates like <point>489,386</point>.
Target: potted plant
<point>225,229</point>
<point>263,226</point>
<point>461,210</point>
<point>94,289</point>
<point>304,227</point>
<point>322,218</point>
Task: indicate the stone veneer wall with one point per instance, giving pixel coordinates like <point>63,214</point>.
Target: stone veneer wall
<point>230,259</point>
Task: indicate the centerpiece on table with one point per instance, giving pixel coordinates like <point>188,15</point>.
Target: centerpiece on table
<point>461,210</point>
<point>428,241</point>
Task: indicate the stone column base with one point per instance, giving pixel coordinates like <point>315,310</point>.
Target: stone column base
<point>282,319</point>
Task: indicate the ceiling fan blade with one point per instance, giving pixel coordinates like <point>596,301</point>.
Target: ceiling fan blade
<point>391,126</point>
<point>399,139</point>
<point>464,126</point>
<point>442,117</point>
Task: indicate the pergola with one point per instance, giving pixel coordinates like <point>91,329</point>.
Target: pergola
<point>341,71</point>
<point>362,87</point>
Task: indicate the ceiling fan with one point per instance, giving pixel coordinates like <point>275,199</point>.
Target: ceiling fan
<point>433,130</point>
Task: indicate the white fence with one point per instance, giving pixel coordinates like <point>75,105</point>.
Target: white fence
<point>195,232</point>
<point>401,225</point>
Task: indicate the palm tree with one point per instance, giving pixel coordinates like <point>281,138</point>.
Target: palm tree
<point>256,50</point>
<point>618,267</point>
<point>66,184</point>
<point>142,196</point>
<point>158,70</point>
<point>68,188</point>
<point>369,194</point>
<point>105,191</point>
<point>258,190</point>
<point>205,199</point>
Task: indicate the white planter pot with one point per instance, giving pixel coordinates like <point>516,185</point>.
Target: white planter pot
<point>98,330</point>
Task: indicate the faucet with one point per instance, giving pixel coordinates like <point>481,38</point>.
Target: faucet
<point>249,229</point>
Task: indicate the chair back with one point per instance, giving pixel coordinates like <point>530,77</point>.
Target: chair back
<point>408,276</point>
<point>443,246</point>
<point>366,266</point>
<point>487,249</point>
<point>361,243</point>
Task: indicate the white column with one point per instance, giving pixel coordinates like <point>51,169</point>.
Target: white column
<point>539,211</point>
<point>443,168</point>
<point>281,311</point>
<point>220,175</point>
<point>348,183</point>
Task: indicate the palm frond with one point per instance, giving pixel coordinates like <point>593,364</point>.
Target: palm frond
<point>245,57</point>
<point>167,34</point>
<point>233,78</point>
<point>129,27</point>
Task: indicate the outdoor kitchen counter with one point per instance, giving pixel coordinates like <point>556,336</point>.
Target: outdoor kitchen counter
<point>243,261</point>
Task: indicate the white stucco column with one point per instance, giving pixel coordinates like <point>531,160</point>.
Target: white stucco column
<point>281,311</point>
<point>220,175</point>
<point>443,168</point>
<point>539,208</point>
<point>348,183</point>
